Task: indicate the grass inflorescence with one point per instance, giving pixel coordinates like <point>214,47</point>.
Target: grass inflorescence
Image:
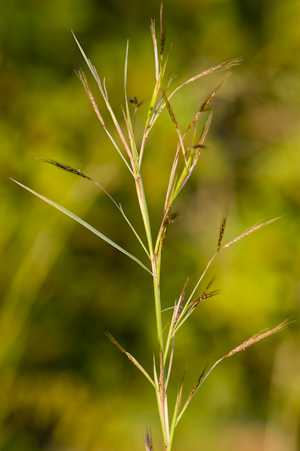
<point>186,157</point>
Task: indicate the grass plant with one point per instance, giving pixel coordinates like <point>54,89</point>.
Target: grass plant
<point>190,145</point>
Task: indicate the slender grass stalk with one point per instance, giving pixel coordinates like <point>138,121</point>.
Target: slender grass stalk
<point>185,160</point>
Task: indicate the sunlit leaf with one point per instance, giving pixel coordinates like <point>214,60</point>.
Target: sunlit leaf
<point>84,224</point>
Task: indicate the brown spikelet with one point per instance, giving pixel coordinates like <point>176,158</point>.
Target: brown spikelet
<point>198,381</point>
<point>251,230</point>
<point>209,284</point>
<point>206,103</point>
<point>220,67</point>
<point>148,440</point>
<point>222,228</point>
<point>202,298</point>
<point>162,31</point>
<point>259,336</point>
<point>178,307</point>
<point>171,113</point>
<point>204,295</point>
<point>83,79</point>
<point>214,93</point>
<point>194,390</point>
<point>65,167</point>
<point>162,43</point>
<point>169,219</point>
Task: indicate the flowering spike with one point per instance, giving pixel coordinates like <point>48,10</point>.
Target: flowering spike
<point>194,390</point>
<point>179,304</point>
<point>170,218</point>
<point>250,230</point>
<point>65,167</point>
<point>222,228</point>
<point>259,336</point>
<point>148,440</point>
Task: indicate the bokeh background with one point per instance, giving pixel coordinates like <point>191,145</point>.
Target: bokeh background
<point>63,385</point>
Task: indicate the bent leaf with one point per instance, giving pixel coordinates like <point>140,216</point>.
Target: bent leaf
<point>84,224</point>
<point>131,358</point>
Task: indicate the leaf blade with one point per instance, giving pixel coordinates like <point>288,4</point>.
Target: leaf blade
<point>84,224</point>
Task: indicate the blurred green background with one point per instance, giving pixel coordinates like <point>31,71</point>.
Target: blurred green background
<point>63,385</point>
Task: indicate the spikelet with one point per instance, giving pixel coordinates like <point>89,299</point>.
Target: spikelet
<point>148,440</point>
<point>170,218</point>
<point>222,228</point>
<point>250,230</point>
<point>259,336</point>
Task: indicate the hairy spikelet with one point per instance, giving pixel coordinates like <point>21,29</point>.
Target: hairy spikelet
<point>259,336</point>
<point>148,440</point>
<point>169,219</point>
<point>222,229</point>
<point>251,230</point>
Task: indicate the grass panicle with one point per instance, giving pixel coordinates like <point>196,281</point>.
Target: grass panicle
<point>259,336</point>
<point>222,228</point>
<point>252,340</point>
<point>148,442</point>
<point>186,156</point>
<point>250,230</point>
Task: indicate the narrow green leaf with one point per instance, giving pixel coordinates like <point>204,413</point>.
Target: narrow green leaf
<point>84,224</point>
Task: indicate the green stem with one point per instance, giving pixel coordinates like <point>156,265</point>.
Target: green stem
<point>156,287</point>
<point>161,397</point>
<point>157,301</point>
